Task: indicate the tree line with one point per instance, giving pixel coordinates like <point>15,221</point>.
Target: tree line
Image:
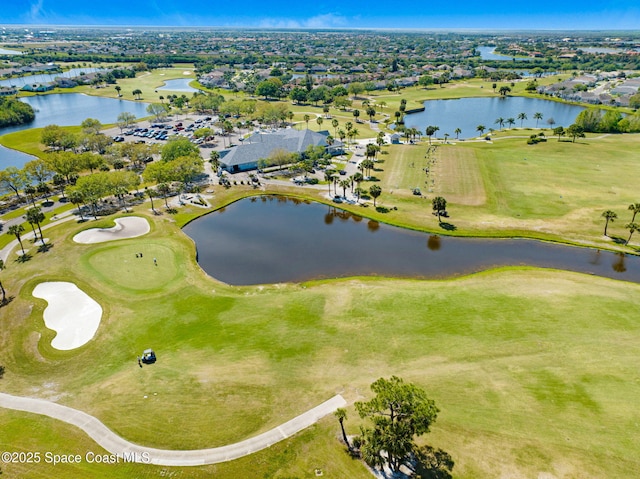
<point>14,112</point>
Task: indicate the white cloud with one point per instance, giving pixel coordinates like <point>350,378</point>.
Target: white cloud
<point>328,20</point>
<point>36,10</point>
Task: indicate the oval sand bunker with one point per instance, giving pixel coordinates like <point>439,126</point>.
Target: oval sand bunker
<point>127,227</point>
<point>71,313</point>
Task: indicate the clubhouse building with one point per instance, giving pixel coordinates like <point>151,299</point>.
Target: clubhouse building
<point>259,146</point>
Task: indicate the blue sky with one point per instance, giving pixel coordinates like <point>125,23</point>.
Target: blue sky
<point>462,14</point>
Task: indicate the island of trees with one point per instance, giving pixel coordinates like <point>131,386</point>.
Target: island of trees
<point>14,112</point>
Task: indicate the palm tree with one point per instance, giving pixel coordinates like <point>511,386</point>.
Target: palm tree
<point>375,191</point>
<point>17,231</point>
<point>36,216</point>
<point>164,189</point>
<point>344,184</point>
<point>500,122</point>
<point>328,176</point>
<point>537,116</point>
<point>632,227</point>
<point>430,131</point>
<point>356,178</point>
<point>4,301</point>
<point>522,117</point>
<point>306,119</point>
<point>118,89</point>
<point>511,121</point>
<point>150,194</point>
<point>334,124</point>
<point>319,121</point>
<point>608,216</point>
<point>371,112</point>
<point>290,116</point>
<point>457,131</point>
<point>356,115</point>
<point>635,207</point>
<point>341,414</point>
<point>481,128</point>
<point>137,92</point>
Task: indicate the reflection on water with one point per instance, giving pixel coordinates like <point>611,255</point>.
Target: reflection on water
<point>619,263</point>
<point>433,243</point>
<point>274,239</point>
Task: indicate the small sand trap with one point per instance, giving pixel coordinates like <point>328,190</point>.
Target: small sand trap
<point>128,227</point>
<point>71,313</point>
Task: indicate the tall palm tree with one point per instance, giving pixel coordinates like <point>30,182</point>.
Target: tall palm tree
<point>522,117</point>
<point>334,124</point>
<point>371,112</point>
<point>375,191</point>
<point>36,216</point>
<point>635,207</point>
<point>632,227</point>
<point>319,121</point>
<point>344,184</point>
<point>306,119</point>
<point>17,231</point>
<point>608,216</point>
<point>430,131</point>
<point>500,122</point>
<point>118,89</point>
<point>457,131</point>
<point>511,121</point>
<point>4,300</point>
<point>341,415</point>
<point>328,176</point>
<point>481,128</point>
<point>537,116</point>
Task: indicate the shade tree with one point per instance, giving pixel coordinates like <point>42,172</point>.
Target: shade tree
<point>399,413</point>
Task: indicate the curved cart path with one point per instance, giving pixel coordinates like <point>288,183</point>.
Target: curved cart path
<point>115,444</point>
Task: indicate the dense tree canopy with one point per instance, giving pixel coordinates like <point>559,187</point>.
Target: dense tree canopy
<point>15,112</point>
<point>399,412</point>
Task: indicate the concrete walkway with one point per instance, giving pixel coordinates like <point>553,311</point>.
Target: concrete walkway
<point>131,452</point>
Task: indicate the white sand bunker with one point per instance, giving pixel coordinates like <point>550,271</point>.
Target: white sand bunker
<point>71,313</point>
<point>128,227</point>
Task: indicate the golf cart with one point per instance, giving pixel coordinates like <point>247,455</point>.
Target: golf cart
<point>148,356</point>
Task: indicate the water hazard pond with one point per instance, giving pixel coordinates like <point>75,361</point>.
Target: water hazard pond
<point>271,239</point>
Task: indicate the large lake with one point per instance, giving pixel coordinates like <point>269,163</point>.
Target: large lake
<point>468,113</point>
<point>19,82</point>
<point>66,110</point>
<point>488,53</point>
<point>272,239</point>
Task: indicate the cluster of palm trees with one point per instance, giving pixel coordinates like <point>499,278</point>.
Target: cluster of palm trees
<point>34,217</point>
<point>610,216</point>
<point>512,121</point>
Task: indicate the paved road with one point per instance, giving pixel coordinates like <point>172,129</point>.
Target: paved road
<point>163,457</point>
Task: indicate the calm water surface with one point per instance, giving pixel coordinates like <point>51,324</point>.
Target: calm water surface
<point>273,239</point>
<point>65,110</point>
<point>19,82</point>
<point>488,53</point>
<point>468,113</point>
<point>9,157</point>
<point>179,85</point>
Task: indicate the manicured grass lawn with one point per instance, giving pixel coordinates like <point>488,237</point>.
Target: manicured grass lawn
<point>535,371</point>
<point>553,190</point>
<point>28,141</point>
<point>525,365</point>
